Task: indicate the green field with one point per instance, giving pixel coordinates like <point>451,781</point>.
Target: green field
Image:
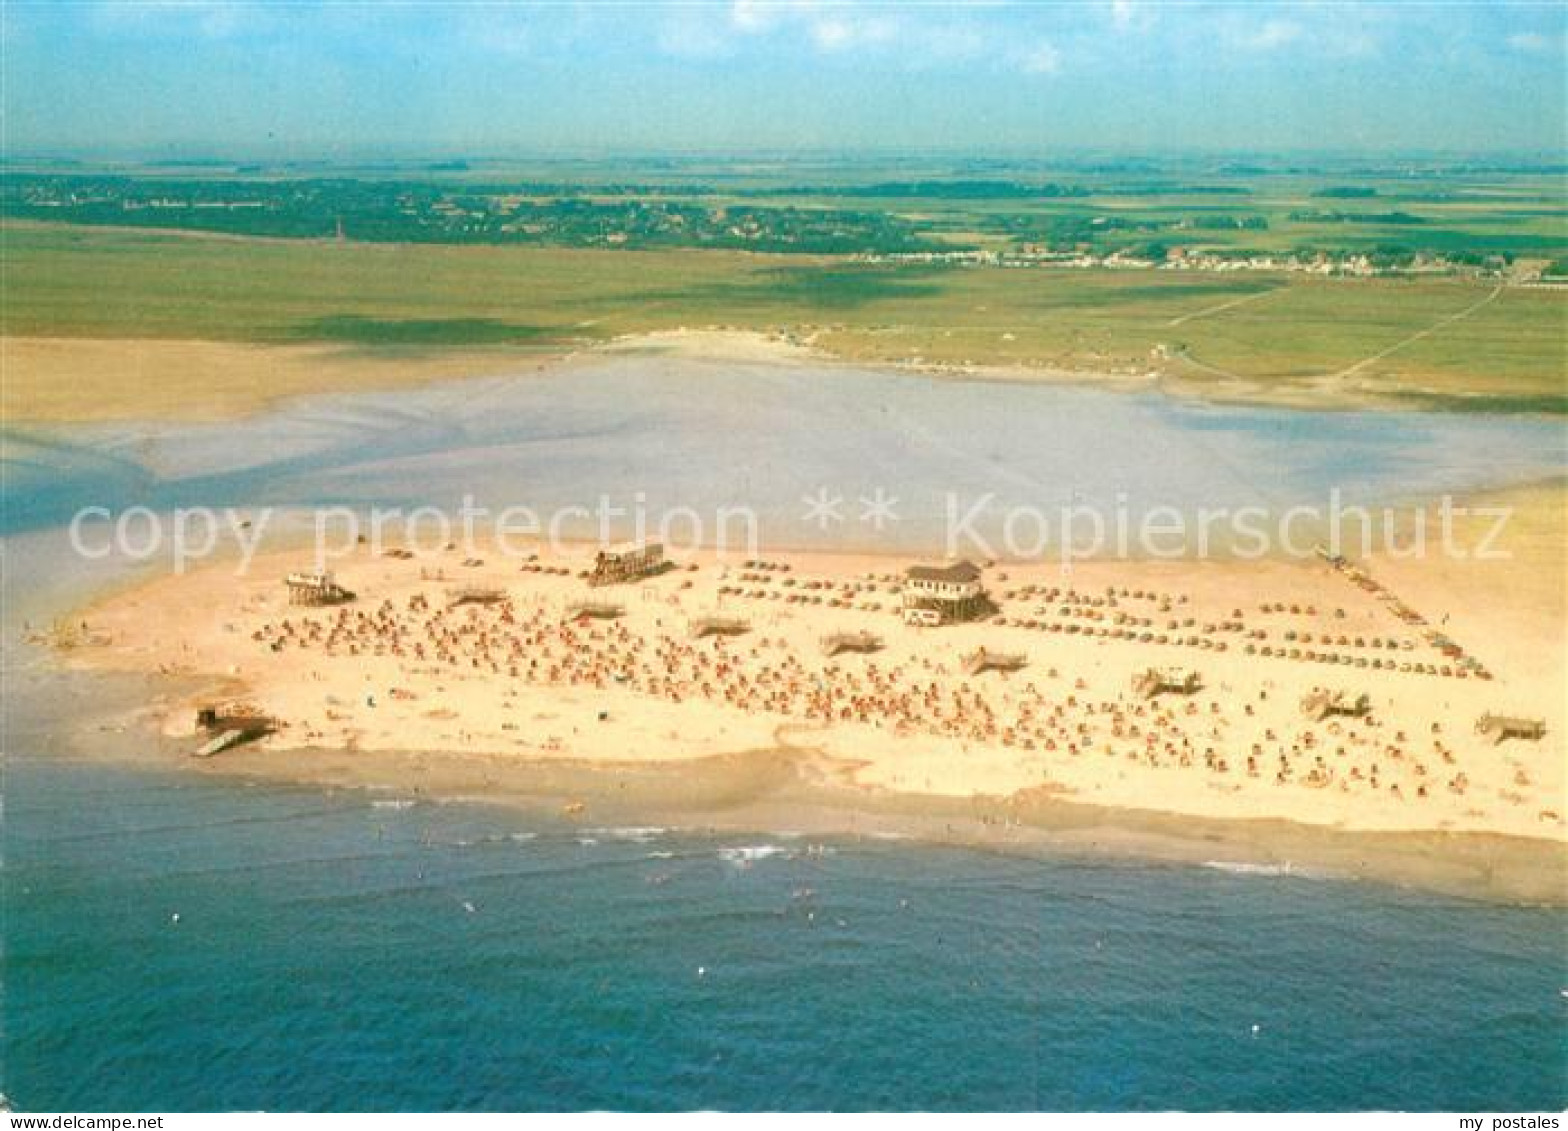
<point>1291,331</point>
<point>1458,216</point>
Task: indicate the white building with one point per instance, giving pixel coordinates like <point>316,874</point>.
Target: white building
<point>942,594</point>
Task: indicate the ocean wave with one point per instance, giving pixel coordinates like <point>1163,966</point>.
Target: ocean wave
<point>750,854</point>
<point>485,840</point>
<point>637,834</point>
<point>1246,868</point>
<point>398,803</point>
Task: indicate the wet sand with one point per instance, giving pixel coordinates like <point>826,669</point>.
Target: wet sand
<point>776,792</point>
<point>53,381</point>
<point>93,380</point>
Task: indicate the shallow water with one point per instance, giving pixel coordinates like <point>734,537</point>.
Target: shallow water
<point>712,434</point>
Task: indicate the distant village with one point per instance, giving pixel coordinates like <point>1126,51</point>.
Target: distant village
<point>1348,265</point>
<point>868,224</point>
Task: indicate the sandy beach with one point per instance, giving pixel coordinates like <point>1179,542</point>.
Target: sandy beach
<point>486,676</point>
<point>517,697</point>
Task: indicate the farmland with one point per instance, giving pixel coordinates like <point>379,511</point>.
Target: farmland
<point>1445,216</point>
<point>1232,284</point>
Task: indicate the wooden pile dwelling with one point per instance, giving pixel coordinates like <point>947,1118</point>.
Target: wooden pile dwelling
<point>947,594</point>
<point>1501,727</point>
<point>70,634</point>
<point>1320,703</point>
<point>475,595</point>
<point>717,625</point>
<point>230,726</point>
<point>597,610</point>
<point>316,587</point>
<point>984,660</point>
<point>1157,681</point>
<point>838,642</point>
<point>631,561</point>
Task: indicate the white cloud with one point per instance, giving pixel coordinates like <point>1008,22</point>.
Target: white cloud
<point>750,16</point>
<point>1129,16</point>
<point>828,25</point>
<point>1041,59</point>
<point>758,17</point>
<point>1270,34</point>
<point>832,33</point>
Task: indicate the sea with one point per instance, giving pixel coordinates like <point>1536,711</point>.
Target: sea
<point>181,943</point>
<point>178,941</point>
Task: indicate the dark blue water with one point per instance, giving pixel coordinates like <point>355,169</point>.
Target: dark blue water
<point>332,952</point>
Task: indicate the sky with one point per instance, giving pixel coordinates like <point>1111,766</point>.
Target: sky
<point>349,79</point>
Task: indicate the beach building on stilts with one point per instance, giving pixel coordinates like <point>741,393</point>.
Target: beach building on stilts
<point>475,595</point>
<point>316,587</point>
<point>864,642</point>
<point>945,594</point>
<point>1499,728</point>
<point>1320,703</point>
<point>984,659</point>
<point>717,624</point>
<point>630,561</point>
<point>1162,681</point>
<point>594,610</point>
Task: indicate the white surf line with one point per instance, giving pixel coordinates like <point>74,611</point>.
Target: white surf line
<point>1204,313</point>
<point>1417,336</point>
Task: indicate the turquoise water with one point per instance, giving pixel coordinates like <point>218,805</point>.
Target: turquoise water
<point>334,950</point>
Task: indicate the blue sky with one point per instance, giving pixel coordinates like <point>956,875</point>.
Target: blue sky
<point>349,79</point>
